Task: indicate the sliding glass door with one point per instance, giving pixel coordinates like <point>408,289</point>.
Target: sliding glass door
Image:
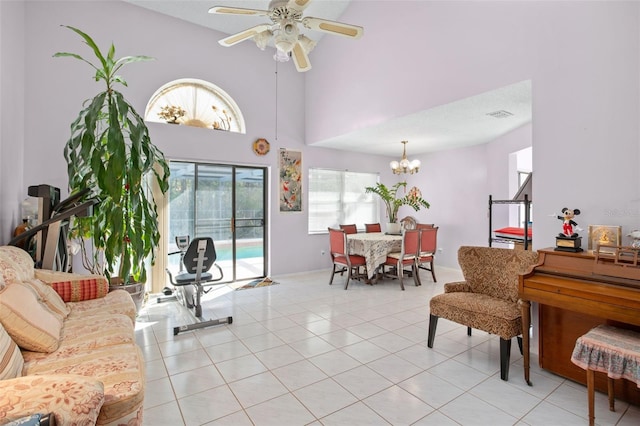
<point>226,203</point>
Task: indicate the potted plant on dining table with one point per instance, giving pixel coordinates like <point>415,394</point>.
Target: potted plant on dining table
<point>412,198</point>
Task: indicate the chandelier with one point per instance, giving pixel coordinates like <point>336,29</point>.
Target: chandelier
<point>405,166</point>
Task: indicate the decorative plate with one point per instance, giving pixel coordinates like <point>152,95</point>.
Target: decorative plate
<point>261,147</point>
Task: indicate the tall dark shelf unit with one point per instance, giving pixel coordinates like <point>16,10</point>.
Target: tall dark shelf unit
<point>526,202</point>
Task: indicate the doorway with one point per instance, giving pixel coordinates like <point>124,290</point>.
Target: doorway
<point>224,202</point>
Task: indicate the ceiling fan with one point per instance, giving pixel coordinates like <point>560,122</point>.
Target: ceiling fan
<point>285,16</point>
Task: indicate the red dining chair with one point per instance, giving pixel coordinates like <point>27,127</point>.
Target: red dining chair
<point>342,259</point>
<point>372,227</point>
<point>349,229</point>
<point>428,246</point>
<point>406,257</point>
<point>424,225</point>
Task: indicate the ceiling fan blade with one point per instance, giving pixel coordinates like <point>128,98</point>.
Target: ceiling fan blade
<point>226,10</point>
<point>300,58</point>
<point>333,27</point>
<point>299,5</point>
<point>244,35</point>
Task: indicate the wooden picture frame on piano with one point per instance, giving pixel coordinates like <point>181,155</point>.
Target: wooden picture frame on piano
<point>604,235</point>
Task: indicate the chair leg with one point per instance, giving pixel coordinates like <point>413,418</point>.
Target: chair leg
<point>468,331</point>
<point>348,278</point>
<point>520,344</point>
<point>433,323</point>
<point>505,354</point>
<point>433,272</point>
<point>591,395</point>
<point>333,272</point>
<point>400,271</point>
<point>612,402</point>
<point>416,275</point>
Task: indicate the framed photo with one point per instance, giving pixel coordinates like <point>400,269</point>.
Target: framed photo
<point>605,235</point>
<point>290,165</point>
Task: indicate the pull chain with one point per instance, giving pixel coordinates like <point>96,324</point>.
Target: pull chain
<point>276,99</point>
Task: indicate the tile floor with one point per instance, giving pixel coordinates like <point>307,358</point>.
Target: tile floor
<point>306,353</point>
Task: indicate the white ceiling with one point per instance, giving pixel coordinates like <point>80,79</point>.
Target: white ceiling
<point>462,123</point>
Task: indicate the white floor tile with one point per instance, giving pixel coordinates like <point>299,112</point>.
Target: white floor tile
<point>284,410</point>
<point>394,368</point>
<point>458,374</point>
<point>362,381</point>
<point>365,351</point>
<point>398,406</point>
<point>431,389</point>
<point>546,414</point>
<point>334,362</point>
<point>324,397</point>
<point>239,368</point>
<point>469,410</point>
<point>498,393</point>
<point>357,414</point>
<point>239,418</point>
<point>257,388</point>
<point>165,414</point>
<point>306,353</point>
<point>195,381</point>
<point>299,374</point>
<point>279,356</point>
<point>187,361</point>
<point>226,351</point>
<point>208,405</point>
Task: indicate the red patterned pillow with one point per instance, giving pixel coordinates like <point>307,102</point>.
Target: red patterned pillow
<point>76,290</point>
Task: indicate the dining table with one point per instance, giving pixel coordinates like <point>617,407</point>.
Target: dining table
<point>374,247</point>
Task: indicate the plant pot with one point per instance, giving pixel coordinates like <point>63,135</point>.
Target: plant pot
<point>393,228</point>
<point>136,290</point>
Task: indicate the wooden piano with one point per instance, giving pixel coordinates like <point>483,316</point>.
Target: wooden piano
<point>576,292</point>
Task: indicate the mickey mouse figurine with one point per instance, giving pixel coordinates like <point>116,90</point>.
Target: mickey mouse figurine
<point>568,223</point>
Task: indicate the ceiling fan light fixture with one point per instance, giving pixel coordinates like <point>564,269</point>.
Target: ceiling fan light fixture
<point>306,43</point>
<point>262,39</point>
<point>286,17</point>
<point>281,56</point>
<point>404,165</point>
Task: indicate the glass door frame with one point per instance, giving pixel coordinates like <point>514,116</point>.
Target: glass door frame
<point>233,171</point>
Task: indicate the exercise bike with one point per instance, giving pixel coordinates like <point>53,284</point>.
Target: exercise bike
<point>189,283</point>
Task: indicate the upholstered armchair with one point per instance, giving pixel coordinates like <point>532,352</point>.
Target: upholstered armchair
<point>488,297</point>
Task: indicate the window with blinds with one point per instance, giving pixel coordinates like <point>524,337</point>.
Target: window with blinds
<point>338,197</point>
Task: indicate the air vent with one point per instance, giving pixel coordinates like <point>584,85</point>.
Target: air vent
<point>500,114</point>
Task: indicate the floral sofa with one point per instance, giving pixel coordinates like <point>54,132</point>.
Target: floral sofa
<point>67,347</point>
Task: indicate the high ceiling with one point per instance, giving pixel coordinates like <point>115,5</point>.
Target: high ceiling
<point>475,120</point>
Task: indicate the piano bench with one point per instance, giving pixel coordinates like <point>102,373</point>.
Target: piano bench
<point>609,350</point>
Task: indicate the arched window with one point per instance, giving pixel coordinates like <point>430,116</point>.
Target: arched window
<point>194,102</point>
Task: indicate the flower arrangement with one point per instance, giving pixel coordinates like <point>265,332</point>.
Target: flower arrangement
<point>225,119</point>
<point>392,202</point>
<point>171,113</point>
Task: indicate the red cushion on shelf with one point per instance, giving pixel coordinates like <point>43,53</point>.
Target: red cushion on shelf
<point>512,232</point>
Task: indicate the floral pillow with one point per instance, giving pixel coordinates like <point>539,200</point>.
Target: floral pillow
<point>15,264</point>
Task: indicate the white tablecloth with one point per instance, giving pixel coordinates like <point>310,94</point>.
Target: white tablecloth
<point>374,246</point>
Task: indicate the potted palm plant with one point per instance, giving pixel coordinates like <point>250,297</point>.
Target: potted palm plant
<point>110,153</point>
<point>392,202</point>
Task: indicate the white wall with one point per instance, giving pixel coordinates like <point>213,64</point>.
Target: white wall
<point>55,88</point>
<point>581,56</point>
<point>12,117</point>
